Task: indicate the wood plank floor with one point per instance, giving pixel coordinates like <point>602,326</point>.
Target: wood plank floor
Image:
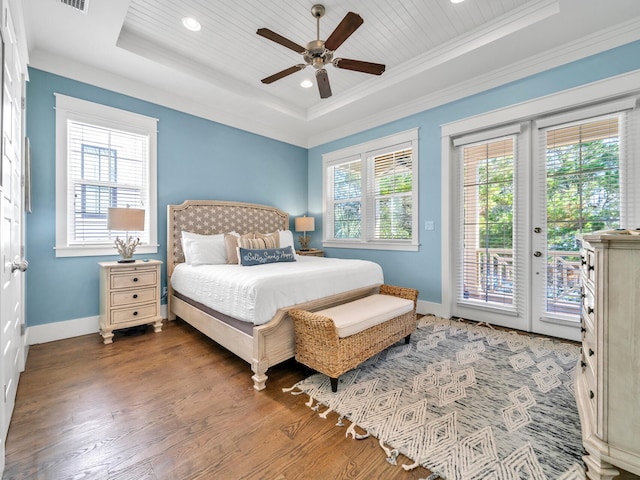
<point>173,405</point>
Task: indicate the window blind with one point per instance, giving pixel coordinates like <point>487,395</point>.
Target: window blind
<point>589,183</point>
<point>389,194</point>
<point>487,267</point>
<point>345,213</point>
<point>105,168</point>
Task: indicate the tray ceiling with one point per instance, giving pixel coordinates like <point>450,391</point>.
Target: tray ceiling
<point>140,47</point>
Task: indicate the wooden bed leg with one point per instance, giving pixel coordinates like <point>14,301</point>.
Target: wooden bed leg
<point>260,376</point>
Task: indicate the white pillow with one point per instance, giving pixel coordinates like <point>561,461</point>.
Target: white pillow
<point>203,249</point>
<point>286,240</point>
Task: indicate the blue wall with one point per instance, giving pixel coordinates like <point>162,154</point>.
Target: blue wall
<point>197,159</point>
<point>202,159</point>
<point>423,269</point>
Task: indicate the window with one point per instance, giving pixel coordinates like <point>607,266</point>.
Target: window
<point>488,221</point>
<point>370,194</point>
<point>105,158</point>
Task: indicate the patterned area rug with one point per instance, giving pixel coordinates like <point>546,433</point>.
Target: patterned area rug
<point>467,402</point>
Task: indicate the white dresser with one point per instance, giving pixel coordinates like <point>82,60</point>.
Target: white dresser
<point>608,382</point>
<point>129,296</point>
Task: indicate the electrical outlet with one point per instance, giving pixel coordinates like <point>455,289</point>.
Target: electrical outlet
<point>429,225</point>
<point>164,291</point>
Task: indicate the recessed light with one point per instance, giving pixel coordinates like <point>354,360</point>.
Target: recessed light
<point>306,83</point>
<point>457,1</point>
<point>191,23</point>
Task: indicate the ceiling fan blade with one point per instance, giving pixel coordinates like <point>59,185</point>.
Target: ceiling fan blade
<point>345,28</point>
<point>323,83</point>
<point>359,66</point>
<point>283,73</point>
<point>285,42</point>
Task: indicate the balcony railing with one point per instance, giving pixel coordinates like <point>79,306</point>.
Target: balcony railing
<point>490,277</point>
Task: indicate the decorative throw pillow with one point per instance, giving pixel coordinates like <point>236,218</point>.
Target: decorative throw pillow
<point>258,242</point>
<point>250,257</point>
<point>231,246</point>
<point>275,235</point>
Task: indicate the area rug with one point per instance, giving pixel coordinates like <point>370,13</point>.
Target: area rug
<point>465,401</point>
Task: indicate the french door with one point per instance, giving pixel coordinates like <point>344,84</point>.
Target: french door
<point>523,194</point>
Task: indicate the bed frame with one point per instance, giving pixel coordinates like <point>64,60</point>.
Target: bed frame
<point>269,344</point>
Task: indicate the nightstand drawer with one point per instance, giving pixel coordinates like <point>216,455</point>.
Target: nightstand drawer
<point>137,296</point>
<point>124,315</point>
<point>137,278</point>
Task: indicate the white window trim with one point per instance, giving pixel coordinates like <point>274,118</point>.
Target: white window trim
<point>361,151</point>
<point>82,110</point>
<point>605,90</point>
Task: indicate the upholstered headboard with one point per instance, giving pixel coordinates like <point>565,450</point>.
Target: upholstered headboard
<point>209,217</point>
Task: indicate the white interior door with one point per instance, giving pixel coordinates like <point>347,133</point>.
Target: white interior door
<point>11,235</point>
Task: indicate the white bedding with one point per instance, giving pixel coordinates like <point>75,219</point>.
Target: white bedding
<point>254,294</point>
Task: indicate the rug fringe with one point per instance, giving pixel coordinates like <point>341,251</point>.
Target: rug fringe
<point>358,436</point>
<point>410,467</point>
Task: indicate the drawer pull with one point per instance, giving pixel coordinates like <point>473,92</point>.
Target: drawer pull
<point>591,352</point>
<point>583,261</point>
<point>591,394</point>
<point>135,279</point>
<point>590,310</point>
<point>135,314</point>
<point>135,295</point>
<point>583,364</point>
<point>582,329</point>
<point>592,267</point>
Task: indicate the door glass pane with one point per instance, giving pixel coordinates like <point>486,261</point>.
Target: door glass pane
<point>488,191</point>
<point>583,195</point>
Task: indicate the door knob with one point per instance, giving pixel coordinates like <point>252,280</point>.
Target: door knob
<point>21,265</point>
<point>537,254</point>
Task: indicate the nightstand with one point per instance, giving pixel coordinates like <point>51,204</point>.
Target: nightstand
<point>312,252</point>
<point>129,296</point>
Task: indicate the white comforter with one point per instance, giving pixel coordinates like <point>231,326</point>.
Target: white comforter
<point>254,294</point>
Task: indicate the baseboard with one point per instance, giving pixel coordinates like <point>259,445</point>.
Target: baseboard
<point>436,309</point>
<point>50,332</point>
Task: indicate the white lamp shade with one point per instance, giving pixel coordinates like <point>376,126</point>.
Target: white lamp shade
<point>126,219</point>
<point>305,224</point>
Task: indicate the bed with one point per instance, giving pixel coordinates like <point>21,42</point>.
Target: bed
<point>269,340</point>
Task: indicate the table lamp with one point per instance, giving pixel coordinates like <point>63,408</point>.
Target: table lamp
<point>305,224</point>
<point>127,220</point>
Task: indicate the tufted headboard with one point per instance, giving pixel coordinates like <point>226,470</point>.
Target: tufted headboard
<point>210,217</point>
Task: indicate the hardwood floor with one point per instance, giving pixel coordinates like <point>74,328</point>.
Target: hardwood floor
<point>173,405</point>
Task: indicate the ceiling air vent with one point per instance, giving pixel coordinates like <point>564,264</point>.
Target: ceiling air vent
<point>82,5</point>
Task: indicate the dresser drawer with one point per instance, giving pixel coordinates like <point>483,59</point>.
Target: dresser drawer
<point>136,313</point>
<point>588,308</point>
<point>592,391</point>
<point>588,267</point>
<point>133,296</point>
<point>134,278</point>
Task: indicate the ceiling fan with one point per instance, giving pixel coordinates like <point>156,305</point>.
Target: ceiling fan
<point>319,53</point>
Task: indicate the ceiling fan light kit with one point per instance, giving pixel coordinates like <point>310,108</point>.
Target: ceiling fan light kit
<point>319,53</point>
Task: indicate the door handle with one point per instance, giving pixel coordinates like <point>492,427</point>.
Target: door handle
<point>537,254</point>
<point>21,265</point>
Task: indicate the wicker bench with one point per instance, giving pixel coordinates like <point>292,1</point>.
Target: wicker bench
<point>335,340</point>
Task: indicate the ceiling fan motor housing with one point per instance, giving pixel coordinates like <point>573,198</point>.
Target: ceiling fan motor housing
<point>316,54</point>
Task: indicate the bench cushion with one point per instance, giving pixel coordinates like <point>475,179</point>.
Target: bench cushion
<point>353,317</point>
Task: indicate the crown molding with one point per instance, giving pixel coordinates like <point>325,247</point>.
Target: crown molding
<point>590,45</point>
